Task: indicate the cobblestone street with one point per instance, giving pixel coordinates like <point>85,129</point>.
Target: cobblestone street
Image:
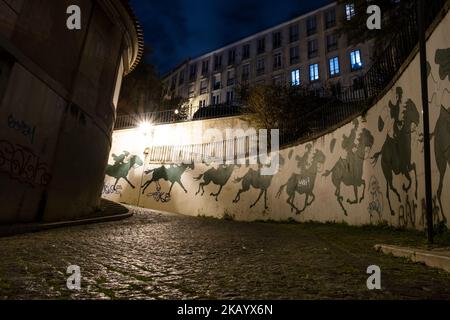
<point>162,256</point>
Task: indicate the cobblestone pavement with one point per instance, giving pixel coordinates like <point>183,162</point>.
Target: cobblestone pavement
<point>161,256</point>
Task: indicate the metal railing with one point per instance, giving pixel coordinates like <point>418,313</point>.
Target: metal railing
<point>180,115</point>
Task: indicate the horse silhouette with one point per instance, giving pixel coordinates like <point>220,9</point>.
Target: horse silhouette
<point>254,179</point>
<point>303,183</point>
<point>442,151</point>
<point>396,153</point>
<point>350,170</point>
<point>172,174</point>
<point>120,169</point>
<point>219,177</point>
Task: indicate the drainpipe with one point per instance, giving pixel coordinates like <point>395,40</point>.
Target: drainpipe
<point>426,120</point>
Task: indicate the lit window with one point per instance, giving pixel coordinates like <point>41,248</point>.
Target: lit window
<point>295,77</point>
<point>334,67</point>
<point>314,72</point>
<point>355,60</point>
<point>350,11</point>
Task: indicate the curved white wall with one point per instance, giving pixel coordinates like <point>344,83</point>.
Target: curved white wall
<point>348,161</point>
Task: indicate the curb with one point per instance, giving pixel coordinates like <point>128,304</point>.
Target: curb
<point>431,258</point>
<point>7,231</point>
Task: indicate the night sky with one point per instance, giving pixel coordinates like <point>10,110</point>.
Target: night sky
<point>178,29</point>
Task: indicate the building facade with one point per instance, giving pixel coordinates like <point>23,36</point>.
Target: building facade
<point>306,51</point>
<point>58,95</point>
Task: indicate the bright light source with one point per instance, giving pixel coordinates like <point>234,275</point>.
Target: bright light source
<point>145,128</point>
<point>177,111</point>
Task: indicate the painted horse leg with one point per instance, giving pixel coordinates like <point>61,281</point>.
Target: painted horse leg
<point>115,184</point>
<point>364,191</point>
<point>355,190</point>
<point>408,177</point>
<point>199,188</point>
<point>238,196</point>
<point>217,194</point>
<point>265,200</point>
<point>288,201</point>
<point>439,194</point>
<point>313,199</point>
<point>126,179</point>
<point>415,176</point>
<point>389,199</point>
<point>339,199</point>
<point>170,189</point>
<point>181,185</point>
<point>305,206</point>
<point>395,191</point>
<point>257,200</point>
<point>146,185</point>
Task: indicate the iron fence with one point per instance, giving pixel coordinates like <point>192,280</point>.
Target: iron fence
<point>183,114</point>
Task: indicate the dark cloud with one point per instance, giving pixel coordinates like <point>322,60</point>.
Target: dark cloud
<point>178,29</point>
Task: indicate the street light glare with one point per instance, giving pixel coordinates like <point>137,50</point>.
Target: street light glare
<point>145,127</point>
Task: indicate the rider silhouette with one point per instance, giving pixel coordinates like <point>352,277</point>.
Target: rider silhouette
<point>348,143</point>
<point>119,160</point>
<point>395,112</point>
<point>302,162</point>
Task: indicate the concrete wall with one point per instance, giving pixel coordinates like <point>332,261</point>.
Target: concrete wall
<point>370,170</point>
<point>57,106</point>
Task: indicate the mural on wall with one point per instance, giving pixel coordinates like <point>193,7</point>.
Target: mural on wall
<point>388,137</point>
<point>122,167</point>
<point>219,176</point>
<point>349,170</point>
<point>442,129</point>
<point>396,151</point>
<point>333,145</point>
<point>254,179</point>
<point>376,205</point>
<point>172,174</point>
<point>304,182</point>
<point>407,213</point>
<point>442,151</point>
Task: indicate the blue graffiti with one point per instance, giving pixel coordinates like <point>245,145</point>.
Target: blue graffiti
<point>109,189</point>
<point>21,126</point>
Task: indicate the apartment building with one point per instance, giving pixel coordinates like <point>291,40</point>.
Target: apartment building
<point>306,51</point>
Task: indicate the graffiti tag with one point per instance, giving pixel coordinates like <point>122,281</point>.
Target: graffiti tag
<point>407,214</point>
<point>21,126</point>
<point>376,199</point>
<point>110,189</point>
<point>160,196</point>
<point>436,213</point>
<point>22,164</point>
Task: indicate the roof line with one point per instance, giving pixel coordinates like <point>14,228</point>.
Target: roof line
<point>139,32</point>
<point>247,38</point>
